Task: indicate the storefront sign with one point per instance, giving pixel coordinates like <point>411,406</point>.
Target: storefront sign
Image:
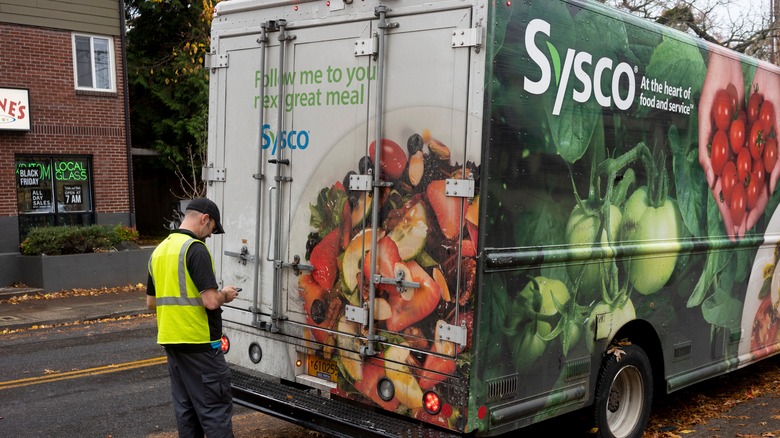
<point>72,194</point>
<point>14,109</point>
<point>41,199</point>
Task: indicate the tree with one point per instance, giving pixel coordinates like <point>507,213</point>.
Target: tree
<point>167,41</point>
<point>747,27</point>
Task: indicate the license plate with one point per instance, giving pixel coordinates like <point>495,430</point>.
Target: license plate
<point>323,368</point>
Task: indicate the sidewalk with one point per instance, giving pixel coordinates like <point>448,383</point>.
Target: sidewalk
<point>16,312</point>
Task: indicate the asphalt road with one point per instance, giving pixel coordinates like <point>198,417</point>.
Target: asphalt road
<point>135,401</point>
<point>105,379</point>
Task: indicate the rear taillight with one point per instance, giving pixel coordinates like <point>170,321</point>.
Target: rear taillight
<point>431,402</point>
<point>224,344</point>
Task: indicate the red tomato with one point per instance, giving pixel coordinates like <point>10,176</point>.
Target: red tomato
<point>756,140</point>
<point>728,180</point>
<point>758,172</point>
<point>770,154</point>
<point>738,204</point>
<point>753,191</point>
<point>737,135</point>
<point>767,115</point>
<point>719,152</point>
<point>754,106</point>
<point>732,92</point>
<point>742,116</point>
<point>722,110</point>
<point>744,165</point>
<point>393,161</point>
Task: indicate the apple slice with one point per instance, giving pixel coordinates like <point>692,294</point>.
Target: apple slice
<point>349,345</point>
<point>372,373</point>
<point>353,256</point>
<point>410,233</point>
<point>407,390</point>
<point>382,310</point>
<point>362,208</point>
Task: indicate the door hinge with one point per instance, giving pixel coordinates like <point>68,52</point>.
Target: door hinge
<point>460,188</point>
<point>356,314</point>
<point>361,183</point>
<point>467,38</point>
<point>216,60</point>
<point>366,47</point>
<point>211,173</point>
<point>453,333</point>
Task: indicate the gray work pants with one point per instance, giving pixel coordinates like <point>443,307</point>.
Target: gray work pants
<point>200,383</point>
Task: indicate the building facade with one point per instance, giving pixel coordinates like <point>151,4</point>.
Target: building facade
<point>64,126</point>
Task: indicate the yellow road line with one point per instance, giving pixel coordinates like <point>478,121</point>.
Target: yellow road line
<point>81,373</point>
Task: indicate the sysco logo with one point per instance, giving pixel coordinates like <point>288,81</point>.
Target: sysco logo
<point>286,139</point>
<point>589,77</point>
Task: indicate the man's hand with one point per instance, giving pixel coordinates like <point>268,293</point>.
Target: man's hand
<point>213,298</point>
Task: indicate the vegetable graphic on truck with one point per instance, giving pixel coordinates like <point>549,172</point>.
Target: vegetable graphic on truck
<point>473,216</point>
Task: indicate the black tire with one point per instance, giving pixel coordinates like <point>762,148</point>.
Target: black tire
<point>624,394</point>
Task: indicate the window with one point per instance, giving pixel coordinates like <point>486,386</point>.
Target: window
<point>93,63</point>
<point>53,190</point>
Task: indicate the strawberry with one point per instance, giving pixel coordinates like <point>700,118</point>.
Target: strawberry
<point>387,256</point>
<point>414,304</point>
<point>469,249</point>
<point>473,233</point>
<point>313,301</point>
<point>446,208</point>
<point>435,368</point>
<point>324,258</point>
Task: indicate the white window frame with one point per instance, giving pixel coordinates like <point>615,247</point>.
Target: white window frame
<point>111,63</point>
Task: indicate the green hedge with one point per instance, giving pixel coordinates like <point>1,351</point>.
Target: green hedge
<point>76,240</point>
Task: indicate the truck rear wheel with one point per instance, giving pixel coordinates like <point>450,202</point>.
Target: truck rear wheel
<point>624,394</point>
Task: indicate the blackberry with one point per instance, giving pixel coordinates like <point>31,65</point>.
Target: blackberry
<point>414,144</point>
<point>364,164</point>
<point>311,242</point>
<point>345,182</point>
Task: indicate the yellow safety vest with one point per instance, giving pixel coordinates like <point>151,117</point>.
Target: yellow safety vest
<point>181,315</point>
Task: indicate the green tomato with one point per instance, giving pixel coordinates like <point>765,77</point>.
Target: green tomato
<point>541,290</point>
<point>615,316</point>
<point>581,230</point>
<point>659,227</point>
<point>527,348</point>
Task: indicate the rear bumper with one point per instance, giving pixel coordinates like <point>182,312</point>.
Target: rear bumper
<point>340,419</point>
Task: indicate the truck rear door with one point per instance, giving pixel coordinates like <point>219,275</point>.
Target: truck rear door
<point>301,102</point>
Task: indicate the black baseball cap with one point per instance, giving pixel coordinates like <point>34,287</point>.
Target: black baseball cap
<point>207,206</point>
